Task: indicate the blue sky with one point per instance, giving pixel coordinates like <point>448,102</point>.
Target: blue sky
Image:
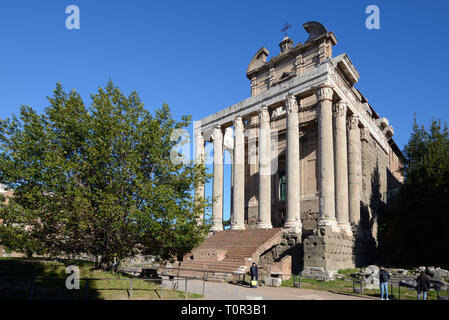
<point>194,54</point>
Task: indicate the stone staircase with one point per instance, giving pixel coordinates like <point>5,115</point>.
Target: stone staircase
<point>226,252</point>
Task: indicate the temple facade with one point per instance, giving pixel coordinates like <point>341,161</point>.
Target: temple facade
<point>310,155</point>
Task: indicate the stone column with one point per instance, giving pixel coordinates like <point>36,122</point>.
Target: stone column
<point>293,223</point>
<point>199,158</point>
<point>217,188</point>
<point>264,221</point>
<point>341,168</point>
<point>326,158</point>
<point>238,173</point>
<point>354,169</point>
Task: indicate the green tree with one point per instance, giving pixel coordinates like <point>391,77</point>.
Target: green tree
<point>416,231</point>
<point>98,180</point>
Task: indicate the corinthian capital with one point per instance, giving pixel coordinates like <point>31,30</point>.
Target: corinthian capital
<point>291,104</point>
<point>199,137</point>
<point>324,93</point>
<point>264,115</point>
<point>340,109</point>
<point>217,134</point>
<point>364,134</point>
<point>238,123</point>
<point>353,122</point>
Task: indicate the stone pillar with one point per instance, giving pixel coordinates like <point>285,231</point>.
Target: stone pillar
<point>217,188</point>
<point>199,158</point>
<point>326,158</point>
<point>264,219</point>
<point>354,169</point>
<point>238,172</point>
<point>341,168</point>
<point>293,222</point>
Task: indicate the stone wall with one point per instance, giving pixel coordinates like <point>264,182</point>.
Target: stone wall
<point>375,165</point>
<point>288,252</point>
<point>325,252</point>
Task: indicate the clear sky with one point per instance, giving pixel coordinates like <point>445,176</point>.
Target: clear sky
<point>194,54</point>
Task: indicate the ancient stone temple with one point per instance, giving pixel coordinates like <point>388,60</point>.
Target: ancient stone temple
<point>312,164</point>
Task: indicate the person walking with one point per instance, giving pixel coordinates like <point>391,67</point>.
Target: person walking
<point>254,275</point>
<point>422,285</point>
<point>384,276</point>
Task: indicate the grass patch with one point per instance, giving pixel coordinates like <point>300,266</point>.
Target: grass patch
<point>347,272</point>
<point>114,287</point>
<point>342,286</point>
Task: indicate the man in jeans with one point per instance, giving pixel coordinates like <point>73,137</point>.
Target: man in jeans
<point>384,276</point>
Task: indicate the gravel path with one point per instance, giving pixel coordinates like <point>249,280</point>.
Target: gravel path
<point>226,291</point>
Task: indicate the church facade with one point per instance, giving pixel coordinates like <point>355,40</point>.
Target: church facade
<point>310,155</point>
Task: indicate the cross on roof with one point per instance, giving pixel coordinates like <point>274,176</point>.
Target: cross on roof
<point>285,28</point>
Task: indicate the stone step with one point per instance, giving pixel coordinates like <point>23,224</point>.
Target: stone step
<point>239,246</point>
<point>213,267</point>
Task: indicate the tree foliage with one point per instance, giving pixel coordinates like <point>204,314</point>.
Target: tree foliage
<point>98,180</point>
<point>417,228</point>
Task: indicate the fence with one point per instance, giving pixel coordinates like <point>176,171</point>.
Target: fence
<point>87,288</point>
<point>398,286</point>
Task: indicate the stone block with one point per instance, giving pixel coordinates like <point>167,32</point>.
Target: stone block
<point>442,272</point>
<point>372,269</point>
<point>283,267</point>
<point>372,282</point>
<point>273,282</point>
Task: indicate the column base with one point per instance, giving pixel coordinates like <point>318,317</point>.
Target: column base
<point>237,227</point>
<point>293,226</point>
<point>216,228</point>
<point>260,225</point>
<point>329,223</point>
<point>346,228</point>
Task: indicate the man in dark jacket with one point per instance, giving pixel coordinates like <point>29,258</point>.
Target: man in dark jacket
<point>422,285</point>
<point>254,273</point>
<point>384,276</point>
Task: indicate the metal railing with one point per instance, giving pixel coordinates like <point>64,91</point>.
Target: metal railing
<point>435,287</point>
<point>87,288</point>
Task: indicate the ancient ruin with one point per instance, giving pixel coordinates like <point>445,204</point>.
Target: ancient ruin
<point>311,160</point>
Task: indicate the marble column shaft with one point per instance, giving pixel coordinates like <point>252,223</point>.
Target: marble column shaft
<point>326,157</point>
<point>199,158</point>
<point>354,169</point>
<point>217,188</point>
<point>293,222</point>
<point>264,170</point>
<point>238,167</point>
<point>341,167</point>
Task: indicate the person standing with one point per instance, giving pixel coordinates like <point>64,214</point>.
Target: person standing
<point>254,275</point>
<point>422,285</point>
<point>384,276</point>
